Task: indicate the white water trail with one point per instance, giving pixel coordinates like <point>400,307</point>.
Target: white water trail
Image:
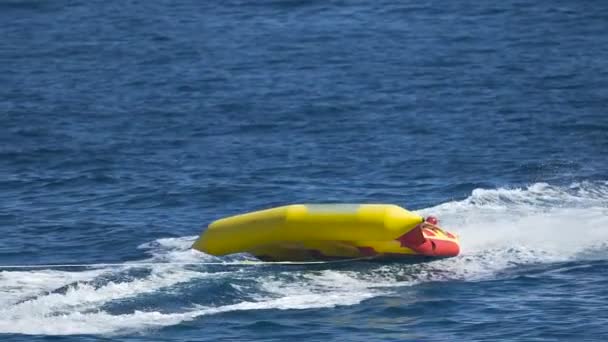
<point>499,229</point>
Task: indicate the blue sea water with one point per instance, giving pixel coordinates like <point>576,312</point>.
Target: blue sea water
<point>127,126</point>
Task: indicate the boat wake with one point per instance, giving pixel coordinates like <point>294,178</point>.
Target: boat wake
<point>501,230</point>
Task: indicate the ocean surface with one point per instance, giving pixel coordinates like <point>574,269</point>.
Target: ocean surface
<point>127,126</point>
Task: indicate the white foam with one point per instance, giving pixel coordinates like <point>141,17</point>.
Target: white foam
<point>315,292</point>
<point>82,296</point>
<point>20,285</point>
<point>104,323</point>
<point>175,250</point>
<point>499,229</point>
<point>31,306</point>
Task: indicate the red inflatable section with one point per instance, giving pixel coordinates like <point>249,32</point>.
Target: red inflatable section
<point>428,246</point>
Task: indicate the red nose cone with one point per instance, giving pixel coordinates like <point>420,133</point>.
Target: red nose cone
<point>432,220</point>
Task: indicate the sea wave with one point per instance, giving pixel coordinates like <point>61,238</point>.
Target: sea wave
<point>500,230</point>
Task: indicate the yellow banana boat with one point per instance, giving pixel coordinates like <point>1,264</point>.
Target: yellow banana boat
<point>302,232</point>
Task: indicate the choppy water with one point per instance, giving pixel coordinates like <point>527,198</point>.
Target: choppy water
<point>127,127</point>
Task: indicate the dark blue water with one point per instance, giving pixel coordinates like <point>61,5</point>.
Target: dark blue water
<point>126,127</point>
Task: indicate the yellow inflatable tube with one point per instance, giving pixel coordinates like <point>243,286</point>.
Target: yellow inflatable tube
<point>325,231</point>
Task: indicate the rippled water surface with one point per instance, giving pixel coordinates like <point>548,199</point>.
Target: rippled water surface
<point>126,127</point>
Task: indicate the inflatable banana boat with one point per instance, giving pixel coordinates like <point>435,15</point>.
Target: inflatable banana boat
<point>327,232</point>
